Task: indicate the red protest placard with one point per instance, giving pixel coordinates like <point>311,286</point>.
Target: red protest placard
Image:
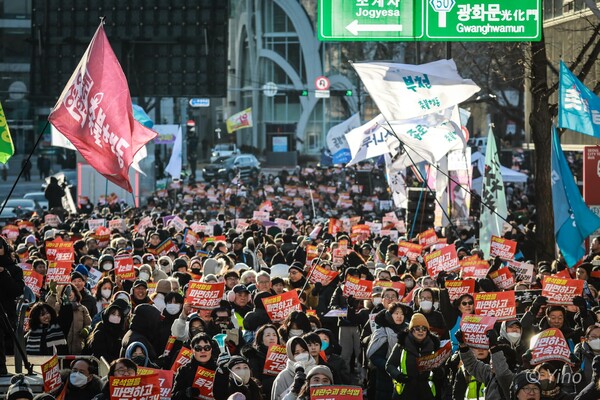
<point>399,287</point>
<point>474,328</point>
<point>502,248</point>
<point>361,289</point>
<point>410,250</point>
<point>360,232</point>
<point>204,295</point>
<point>428,238</point>
<point>164,248</point>
<point>11,232</point>
<point>336,392</point>
<point>460,288</point>
<point>561,290</point>
<point>59,272</point>
<point>190,238</point>
<point>51,220</point>
<point>503,278</point>
<point>323,276</point>
<point>140,387</point>
<point>102,236</point>
<point>335,226</point>
<point>63,251</point>
<point>276,360</point>
<point>501,305</point>
<point>523,271</point>
<point>33,281</point>
<point>435,360</point>
<point>444,259</point>
<point>204,381</point>
<point>550,345</point>
<point>473,267</point>
<point>280,306</point>
<point>183,358</point>
<point>165,379</point>
<point>124,268</point>
<point>311,254</point>
<point>51,374</point>
<point>169,346</point>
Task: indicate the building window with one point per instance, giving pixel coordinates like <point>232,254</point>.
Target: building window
<point>314,141</point>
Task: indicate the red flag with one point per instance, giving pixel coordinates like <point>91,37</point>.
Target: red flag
<point>95,113</point>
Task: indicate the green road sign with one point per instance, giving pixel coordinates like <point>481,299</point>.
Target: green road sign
<point>430,20</point>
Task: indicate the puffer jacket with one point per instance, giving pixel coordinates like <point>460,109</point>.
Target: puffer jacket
<point>105,340</point>
<point>144,328</point>
<point>284,380</point>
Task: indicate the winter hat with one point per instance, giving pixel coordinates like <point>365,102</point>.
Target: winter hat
<point>163,286</point>
<point>418,319</point>
<point>147,269</point>
<point>179,263</point>
<point>521,380</point>
<point>211,266</point>
<point>76,275</point>
<point>18,389</point>
<point>320,369</point>
<point>82,269</point>
<point>235,360</point>
<point>297,266</point>
<point>166,264</point>
<point>30,240</point>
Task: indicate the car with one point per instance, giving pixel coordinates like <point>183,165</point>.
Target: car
<point>23,207</point>
<point>223,150</point>
<point>229,167</point>
<point>8,215</point>
<point>39,197</point>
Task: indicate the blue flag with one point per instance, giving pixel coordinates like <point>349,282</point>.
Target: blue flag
<point>578,106</point>
<point>573,220</point>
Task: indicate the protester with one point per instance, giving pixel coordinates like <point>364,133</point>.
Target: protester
<point>119,368</point>
<point>81,381</point>
<point>45,336</point>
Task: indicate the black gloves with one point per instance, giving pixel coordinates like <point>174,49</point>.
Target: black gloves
<point>299,380</point>
<point>402,378</point>
<point>493,337</point>
<point>459,337</point>
<point>441,279</point>
<point>538,303</point>
<point>580,303</point>
<point>317,288</point>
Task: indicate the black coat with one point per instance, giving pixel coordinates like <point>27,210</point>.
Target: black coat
<point>106,338</point>
<point>11,285</point>
<point>184,378</point>
<point>256,360</point>
<point>89,302</point>
<point>87,392</point>
<point>144,327</point>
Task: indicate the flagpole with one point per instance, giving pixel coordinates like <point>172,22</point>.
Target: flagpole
<point>25,165</point>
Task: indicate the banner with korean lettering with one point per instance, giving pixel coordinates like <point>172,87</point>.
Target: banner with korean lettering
<point>117,224</point>
<point>460,288</point>
<point>164,248</point>
<point>399,287</point>
<point>204,380</point>
<point>473,267</point>
<point>183,358</point>
<point>51,375</point>
<point>311,254</point>
<point>361,289</point>
<point>139,387</point>
<point>369,140</point>
<point>323,276</point>
<point>435,360</point>
<point>165,379</point>
<point>51,220</point>
<point>503,248</point>
<point>360,233</point>
<point>33,281</point>
<point>428,238</point>
<point>501,305</point>
<point>102,236</point>
<point>503,278</point>
<point>523,272</point>
<point>11,232</point>
<point>204,295</point>
<point>280,306</point>
<point>336,392</point>
<point>59,272</point>
<point>444,259</point>
<point>276,360</point>
<point>336,139</point>
<point>124,268</point>
<point>190,238</point>
<point>410,250</point>
<point>94,224</point>
<point>550,345</point>
<point>474,329</point>
<point>561,290</point>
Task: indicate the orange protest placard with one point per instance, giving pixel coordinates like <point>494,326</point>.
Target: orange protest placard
<point>550,345</point>
<point>561,290</point>
<point>410,250</point>
<point>11,232</point>
<point>427,238</point>
<point>435,360</point>
<point>169,345</point>
<point>473,267</point>
<point>460,288</point>
<point>102,236</point>
<point>360,233</point>
<point>323,276</point>
<point>164,248</point>
<point>204,295</point>
<point>59,272</point>
<point>503,248</point>
<point>124,268</point>
<point>336,392</point>
<point>33,281</point>
<point>335,226</point>
<point>503,278</point>
<point>51,374</point>
<point>280,306</point>
<point>501,305</point>
<point>361,289</point>
<point>140,387</point>
<point>399,287</point>
<point>311,254</point>
<point>276,360</point>
<point>165,379</point>
<point>444,259</point>
<point>204,381</point>
<point>183,358</point>
<point>474,329</point>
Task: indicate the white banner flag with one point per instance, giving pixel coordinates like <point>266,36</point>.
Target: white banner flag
<point>174,166</point>
<point>336,139</point>
<point>396,180</point>
<point>371,140</point>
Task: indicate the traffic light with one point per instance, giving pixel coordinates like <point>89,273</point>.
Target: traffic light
<point>342,92</point>
<point>304,93</point>
<point>349,93</point>
<point>421,204</point>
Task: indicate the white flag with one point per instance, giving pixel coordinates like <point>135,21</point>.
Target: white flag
<point>336,139</point>
<point>396,181</point>
<point>174,166</point>
<point>404,91</point>
<point>371,140</point>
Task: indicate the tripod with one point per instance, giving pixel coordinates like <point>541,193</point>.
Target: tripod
<point>6,326</point>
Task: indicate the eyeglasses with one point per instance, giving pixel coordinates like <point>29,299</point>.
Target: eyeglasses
<point>420,329</point>
<point>531,389</point>
<point>467,303</point>
<point>390,297</point>
<point>202,348</point>
<point>123,371</point>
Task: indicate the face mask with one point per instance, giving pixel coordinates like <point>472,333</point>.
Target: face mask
<point>241,376</point>
<point>139,360</point>
<point>547,385</point>
<point>107,266</point>
<point>324,345</point>
<point>77,379</point>
<point>296,332</point>
<point>173,308</point>
<point>106,293</point>
<point>513,337</point>
<point>144,276</point>
<point>426,305</point>
<point>114,319</point>
<point>376,301</point>
<point>302,358</point>
<point>594,344</point>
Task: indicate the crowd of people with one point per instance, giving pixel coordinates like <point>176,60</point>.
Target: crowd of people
<point>261,239</point>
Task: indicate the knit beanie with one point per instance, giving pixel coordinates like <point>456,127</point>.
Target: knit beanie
<point>521,380</point>
<point>418,319</point>
<point>18,389</point>
<point>320,369</point>
<point>163,286</point>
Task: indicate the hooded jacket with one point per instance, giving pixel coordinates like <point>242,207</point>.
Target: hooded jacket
<point>519,346</point>
<point>144,326</point>
<point>284,380</point>
<point>105,340</point>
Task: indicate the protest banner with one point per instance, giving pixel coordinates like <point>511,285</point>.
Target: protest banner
<point>169,346</point>
<point>335,226</point>
<point>427,238</point>
<point>460,288</point>
<point>178,224</point>
<point>165,379</point>
<point>11,232</point>
<point>444,259</point>
<point>564,273</point>
<point>360,233</point>
<point>139,387</point>
<point>25,266</point>
<point>94,224</point>
<point>65,252</point>
<point>204,295</point>
<point>144,224</point>
<point>473,267</point>
<point>561,290</point>
<point>51,374</point>
<point>361,289</point>
<point>501,305</point>
<point>164,248</point>
<point>550,345</point>
<point>204,380</point>
<point>117,224</point>
<point>399,287</point>
<point>52,220</point>
<point>190,238</point>
<point>183,358</point>
<point>436,359</point>
<point>336,392</point>
<point>102,236</point>
<point>523,271</point>
<point>276,360</point>
<point>503,278</point>
<point>124,268</point>
<point>410,250</point>
<point>474,329</point>
<point>323,276</point>
<point>94,277</point>
<point>261,215</point>
<point>33,281</point>
<point>59,272</point>
<point>524,299</point>
<point>280,306</point>
<point>27,225</point>
<point>503,248</point>
<point>311,253</point>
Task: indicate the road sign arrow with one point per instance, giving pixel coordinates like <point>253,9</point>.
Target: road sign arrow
<point>354,27</point>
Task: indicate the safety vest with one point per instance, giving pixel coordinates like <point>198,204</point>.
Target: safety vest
<point>400,386</point>
<point>472,393</point>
